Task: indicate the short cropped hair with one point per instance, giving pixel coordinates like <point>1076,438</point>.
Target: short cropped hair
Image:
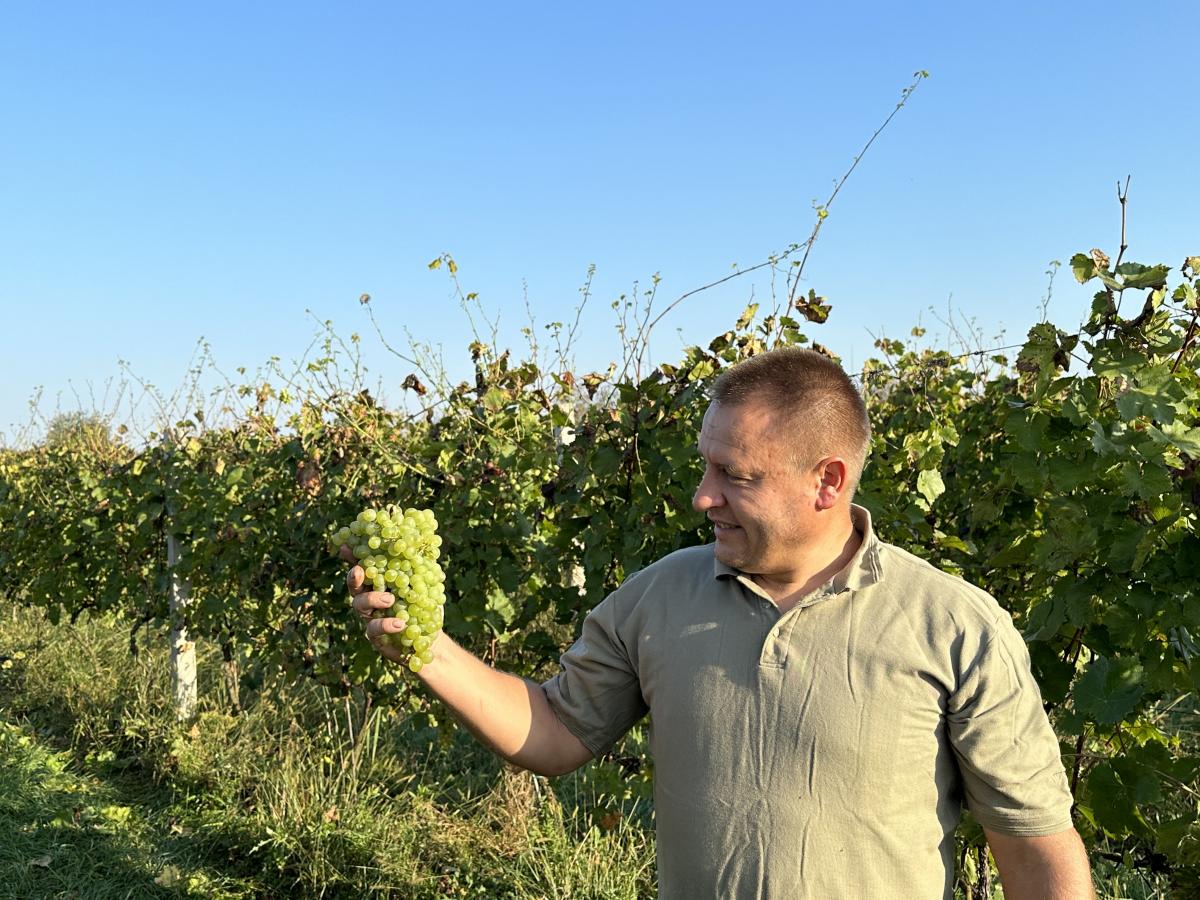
<point>819,410</point>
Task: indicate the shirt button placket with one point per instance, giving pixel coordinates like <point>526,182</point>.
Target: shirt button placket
<point>773,653</point>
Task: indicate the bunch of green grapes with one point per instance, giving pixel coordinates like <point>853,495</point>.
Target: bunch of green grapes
<point>398,550</point>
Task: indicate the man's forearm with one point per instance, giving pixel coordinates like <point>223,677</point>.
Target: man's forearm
<point>1054,867</point>
<point>508,714</point>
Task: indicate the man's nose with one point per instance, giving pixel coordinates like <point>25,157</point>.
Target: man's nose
<point>707,496</point>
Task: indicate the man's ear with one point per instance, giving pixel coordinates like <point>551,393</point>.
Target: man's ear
<point>834,477</point>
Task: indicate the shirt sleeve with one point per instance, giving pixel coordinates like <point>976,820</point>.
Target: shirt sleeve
<point>597,695</point>
<point>1007,752</point>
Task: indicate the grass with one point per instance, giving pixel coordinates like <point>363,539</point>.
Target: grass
<point>67,833</point>
<point>301,794</point>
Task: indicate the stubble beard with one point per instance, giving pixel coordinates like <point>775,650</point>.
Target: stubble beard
<point>737,553</point>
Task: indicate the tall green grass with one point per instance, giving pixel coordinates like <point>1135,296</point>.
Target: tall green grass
<point>301,794</point>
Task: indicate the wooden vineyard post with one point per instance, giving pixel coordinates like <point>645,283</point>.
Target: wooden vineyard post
<point>183,649</point>
<point>564,436</point>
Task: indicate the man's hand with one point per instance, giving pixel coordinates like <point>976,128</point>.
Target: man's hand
<point>371,607</point>
<point>508,714</point>
<point>1053,867</point>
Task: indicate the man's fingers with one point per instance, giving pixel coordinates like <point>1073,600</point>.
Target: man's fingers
<point>346,554</point>
<point>379,627</point>
<point>366,604</point>
<point>355,579</point>
<point>369,605</point>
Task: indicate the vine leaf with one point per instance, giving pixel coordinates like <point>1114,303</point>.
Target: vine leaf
<point>1109,689</point>
<point>1136,275</point>
<point>930,484</point>
<point>814,308</point>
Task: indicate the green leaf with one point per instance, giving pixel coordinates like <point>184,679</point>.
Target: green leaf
<point>1047,350</point>
<point>1101,443</point>
<point>1045,619</point>
<point>1122,546</point>
<point>1135,275</point>
<point>1103,309</point>
<point>1185,294</point>
<point>1147,481</point>
<point>1171,837</point>
<point>501,603</point>
<point>1063,544</point>
<point>1109,690</point>
<point>1052,672</point>
<point>1083,267</point>
<point>746,317</point>
<point>1112,802</point>
<point>930,484</point>
<point>1139,402</point>
<point>1177,434</point>
<point>953,542</point>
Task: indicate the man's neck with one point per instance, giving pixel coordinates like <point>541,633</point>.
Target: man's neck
<point>823,563</point>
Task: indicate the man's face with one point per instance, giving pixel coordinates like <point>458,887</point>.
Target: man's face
<point>761,504</point>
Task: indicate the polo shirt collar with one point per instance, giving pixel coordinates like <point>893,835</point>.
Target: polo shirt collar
<point>864,568</point>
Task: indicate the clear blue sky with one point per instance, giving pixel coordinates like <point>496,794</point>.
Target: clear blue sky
<point>172,172</point>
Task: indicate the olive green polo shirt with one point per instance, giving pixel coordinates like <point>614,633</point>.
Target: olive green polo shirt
<point>826,752</point>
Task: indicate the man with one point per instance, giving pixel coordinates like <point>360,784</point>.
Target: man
<point>821,703</point>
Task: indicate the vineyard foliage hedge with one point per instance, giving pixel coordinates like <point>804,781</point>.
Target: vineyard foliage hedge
<point>1065,482</point>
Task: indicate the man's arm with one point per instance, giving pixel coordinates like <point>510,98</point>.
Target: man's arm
<point>1053,867</point>
<point>510,715</point>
